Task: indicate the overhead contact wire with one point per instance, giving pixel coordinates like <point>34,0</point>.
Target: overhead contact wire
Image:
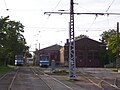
<point>57,5</point>
<point>50,14</point>
<point>107,11</point>
<point>6,5</point>
<point>92,22</point>
<point>110,6</point>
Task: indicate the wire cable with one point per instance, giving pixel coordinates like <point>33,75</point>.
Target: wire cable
<point>56,5</point>
<point>6,5</point>
<point>50,14</point>
<point>110,6</point>
<point>92,23</point>
<point>108,15</point>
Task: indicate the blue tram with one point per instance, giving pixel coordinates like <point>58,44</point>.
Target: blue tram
<point>44,60</point>
<point>18,59</point>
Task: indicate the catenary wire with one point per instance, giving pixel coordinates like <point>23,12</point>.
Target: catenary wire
<point>50,14</point>
<point>110,5</point>
<point>108,15</point>
<point>6,5</point>
<point>92,23</point>
<point>56,5</point>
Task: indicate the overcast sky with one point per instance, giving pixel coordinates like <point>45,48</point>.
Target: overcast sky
<point>49,30</point>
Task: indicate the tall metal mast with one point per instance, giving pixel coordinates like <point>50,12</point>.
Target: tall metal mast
<point>72,64</point>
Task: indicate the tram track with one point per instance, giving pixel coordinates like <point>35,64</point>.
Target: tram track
<point>15,80</point>
<point>7,80</point>
<point>12,82</point>
<point>37,74</point>
<point>54,83</point>
<point>3,76</point>
<point>28,79</point>
<point>35,78</point>
<point>99,82</point>
<point>96,82</point>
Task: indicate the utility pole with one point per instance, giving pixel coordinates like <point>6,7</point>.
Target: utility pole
<point>72,63</point>
<point>117,48</point>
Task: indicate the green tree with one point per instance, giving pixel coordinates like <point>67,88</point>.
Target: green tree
<point>112,43</point>
<point>2,40</point>
<point>106,35</point>
<point>109,38</point>
<point>13,42</point>
<point>81,36</point>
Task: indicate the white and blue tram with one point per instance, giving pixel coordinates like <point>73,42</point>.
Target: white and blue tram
<point>44,60</point>
<point>18,59</point>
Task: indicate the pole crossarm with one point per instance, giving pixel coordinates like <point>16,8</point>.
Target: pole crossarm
<point>81,13</point>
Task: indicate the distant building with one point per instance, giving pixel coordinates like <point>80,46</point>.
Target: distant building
<point>87,52</point>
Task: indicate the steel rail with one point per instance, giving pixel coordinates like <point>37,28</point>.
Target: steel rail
<point>112,85</point>
<point>33,70</point>
<point>11,83</point>
<point>56,80</point>
<point>100,82</point>
<point>96,84</point>
<point>4,76</point>
<point>59,82</point>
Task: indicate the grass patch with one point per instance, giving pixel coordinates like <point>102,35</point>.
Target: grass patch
<point>72,80</point>
<point>114,69</point>
<point>60,72</point>
<point>5,69</point>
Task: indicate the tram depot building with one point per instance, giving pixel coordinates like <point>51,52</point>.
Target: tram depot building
<point>87,53</point>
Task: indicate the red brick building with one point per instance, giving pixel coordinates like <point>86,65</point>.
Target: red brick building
<point>87,52</point>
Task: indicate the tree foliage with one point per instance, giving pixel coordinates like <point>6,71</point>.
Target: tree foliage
<point>107,35</point>
<point>11,39</point>
<point>81,36</point>
<point>110,39</point>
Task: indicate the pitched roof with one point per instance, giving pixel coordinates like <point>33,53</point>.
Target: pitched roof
<point>53,47</point>
<point>88,39</point>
